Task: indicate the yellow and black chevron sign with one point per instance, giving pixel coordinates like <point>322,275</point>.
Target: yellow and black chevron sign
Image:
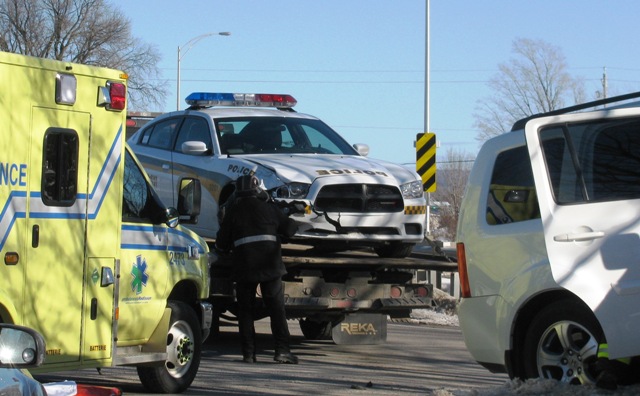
<point>426,160</point>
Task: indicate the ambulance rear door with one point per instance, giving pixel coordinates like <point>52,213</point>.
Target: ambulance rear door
<point>56,221</point>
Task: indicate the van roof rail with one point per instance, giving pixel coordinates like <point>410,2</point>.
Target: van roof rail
<point>600,102</point>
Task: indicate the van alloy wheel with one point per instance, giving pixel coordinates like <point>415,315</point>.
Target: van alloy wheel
<point>562,343</point>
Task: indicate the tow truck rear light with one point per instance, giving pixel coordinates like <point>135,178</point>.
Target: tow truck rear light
<point>421,292</point>
<point>395,292</point>
<point>208,99</point>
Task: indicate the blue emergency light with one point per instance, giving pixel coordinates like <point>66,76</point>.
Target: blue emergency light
<point>207,99</point>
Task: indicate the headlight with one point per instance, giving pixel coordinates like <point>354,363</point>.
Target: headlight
<point>292,190</point>
<point>412,190</point>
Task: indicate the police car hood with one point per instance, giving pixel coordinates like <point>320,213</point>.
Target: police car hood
<point>305,168</point>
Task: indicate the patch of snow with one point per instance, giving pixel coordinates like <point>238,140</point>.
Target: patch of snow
<point>539,386</point>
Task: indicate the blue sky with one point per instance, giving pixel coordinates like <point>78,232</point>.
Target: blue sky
<point>359,65</point>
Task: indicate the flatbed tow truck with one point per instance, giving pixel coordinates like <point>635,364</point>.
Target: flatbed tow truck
<point>343,295</point>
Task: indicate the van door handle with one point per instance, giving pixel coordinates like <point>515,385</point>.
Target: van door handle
<point>579,237</point>
<point>166,167</point>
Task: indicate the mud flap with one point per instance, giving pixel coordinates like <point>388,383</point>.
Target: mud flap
<point>361,329</point>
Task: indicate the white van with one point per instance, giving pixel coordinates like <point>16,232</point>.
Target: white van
<point>548,244</point>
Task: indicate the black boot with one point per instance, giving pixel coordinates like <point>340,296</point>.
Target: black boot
<point>286,357</point>
<point>249,358</point>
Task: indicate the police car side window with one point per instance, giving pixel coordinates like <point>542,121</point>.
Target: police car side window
<point>193,129</point>
<point>512,194</point>
<point>161,135</point>
<point>60,167</point>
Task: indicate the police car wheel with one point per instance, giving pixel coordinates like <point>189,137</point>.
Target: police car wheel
<point>562,343</point>
<point>184,347</point>
<point>394,250</point>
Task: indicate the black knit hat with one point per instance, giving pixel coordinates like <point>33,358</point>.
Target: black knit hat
<point>247,185</point>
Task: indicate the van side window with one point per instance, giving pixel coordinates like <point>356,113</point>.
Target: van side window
<point>60,167</point>
<point>512,194</point>
<point>594,161</point>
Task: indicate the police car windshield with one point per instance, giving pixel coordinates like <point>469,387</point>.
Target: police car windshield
<point>268,135</point>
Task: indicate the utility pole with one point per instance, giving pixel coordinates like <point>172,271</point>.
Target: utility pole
<point>604,83</point>
<point>427,92</point>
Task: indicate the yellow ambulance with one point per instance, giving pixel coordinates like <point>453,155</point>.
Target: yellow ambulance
<point>93,259</point>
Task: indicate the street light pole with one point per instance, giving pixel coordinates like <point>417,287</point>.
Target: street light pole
<point>181,53</point>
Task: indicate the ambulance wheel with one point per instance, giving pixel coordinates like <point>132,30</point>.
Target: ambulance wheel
<point>184,347</point>
<point>562,343</point>
<point>394,250</point>
<point>313,330</point>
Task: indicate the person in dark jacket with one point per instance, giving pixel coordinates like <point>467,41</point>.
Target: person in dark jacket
<point>251,230</point>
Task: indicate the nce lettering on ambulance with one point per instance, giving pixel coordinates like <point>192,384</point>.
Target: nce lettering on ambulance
<point>13,174</point>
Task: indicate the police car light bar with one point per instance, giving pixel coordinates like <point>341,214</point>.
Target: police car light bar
<point>205,99</point>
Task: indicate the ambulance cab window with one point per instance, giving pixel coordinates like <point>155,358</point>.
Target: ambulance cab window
<point>139,202</point>
<point>60,167</point>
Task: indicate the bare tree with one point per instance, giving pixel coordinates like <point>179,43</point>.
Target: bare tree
<point>452,176</point>
<point>535,81</point>
<point>83,31</point>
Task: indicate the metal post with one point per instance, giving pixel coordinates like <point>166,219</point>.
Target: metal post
<point>190,44</point>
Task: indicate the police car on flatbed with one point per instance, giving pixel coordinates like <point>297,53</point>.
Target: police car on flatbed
<point>350,200</point>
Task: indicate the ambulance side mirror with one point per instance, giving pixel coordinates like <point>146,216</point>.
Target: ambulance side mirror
<point>189,198</point>
<point>173,218</point>
<point>21,347</point>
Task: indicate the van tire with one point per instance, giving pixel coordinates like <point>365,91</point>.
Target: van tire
<point>184,349</point>
<point>568,358</point>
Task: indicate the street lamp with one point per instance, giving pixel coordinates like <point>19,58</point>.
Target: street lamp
<point>188,46</point>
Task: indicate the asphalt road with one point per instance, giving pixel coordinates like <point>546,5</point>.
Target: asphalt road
<point>416,359</point>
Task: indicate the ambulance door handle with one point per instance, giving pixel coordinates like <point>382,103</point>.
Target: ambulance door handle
<point>107,277</point>
<point>166,167</point>
<point>94,308</point>
<point>35,236</point>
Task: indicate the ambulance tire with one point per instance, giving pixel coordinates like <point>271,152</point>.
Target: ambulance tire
<point>313,330</point>
<point>561,343</point>
<point>394,250</point>
<point>184,349</point>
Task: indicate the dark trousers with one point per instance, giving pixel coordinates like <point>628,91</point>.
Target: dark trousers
<point>273,297</point>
